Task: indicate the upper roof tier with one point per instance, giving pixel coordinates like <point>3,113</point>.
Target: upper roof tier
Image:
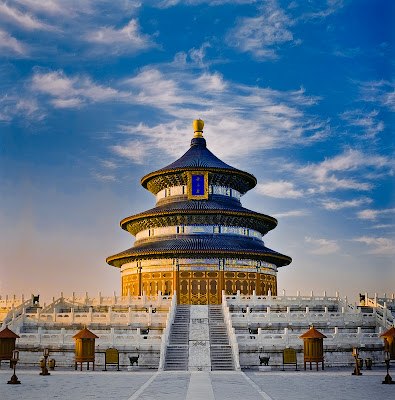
<point>199,158</point>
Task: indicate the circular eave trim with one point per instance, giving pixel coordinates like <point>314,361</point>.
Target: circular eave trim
<point>145,179</point>
<point>111,259</point>
<point>127,220</point>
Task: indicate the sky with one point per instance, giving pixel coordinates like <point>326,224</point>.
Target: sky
<point>95,94</point>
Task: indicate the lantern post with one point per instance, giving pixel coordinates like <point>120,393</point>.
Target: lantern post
<point>14,359</point>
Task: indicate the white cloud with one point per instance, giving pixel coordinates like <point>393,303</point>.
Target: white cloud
<point>46,6</point>
<point>134,150</point>
<point>25,21</point>
<point>374,214</point>
<point>210,82</point>
<point>366,121</point>
<point>127,39</point>
<point>109,164</point>
<point>280,189</point>
<point>338,205</point>
<point>105,178</point>
<point>71,92</point>
<point>379,245</point>
<point>379,92</point>
<point>322,246</point>
<point>259,35</point>
<point>8,42</point>
<point>13,106</point>
<point>293,213</point>
<point>326,174</point>
<point>247,118</point>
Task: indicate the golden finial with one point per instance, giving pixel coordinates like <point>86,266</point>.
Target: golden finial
<point>198,125</point>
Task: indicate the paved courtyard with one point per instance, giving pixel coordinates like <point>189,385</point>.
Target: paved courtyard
<point>331,384</point>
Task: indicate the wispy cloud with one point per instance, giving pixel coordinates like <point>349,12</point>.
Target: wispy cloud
<point>374,214</point>
<point>44,6</point>
<point>364,120</point>
<point>14,106</point>
<point>24,20</point>
<point>261,34</point>
<point>9,43</point>
<point>331,174</point>
<point>338,205</point>
<point>124,40</point>
<point>378,245</point>
<point>321,246</point>
<point>267,118</point>
<point>71,92</point>
<point>104,177</point>
<point>292,213</point>
<point>379,92</point>
<point>133,150</point>
<point>279,189</point>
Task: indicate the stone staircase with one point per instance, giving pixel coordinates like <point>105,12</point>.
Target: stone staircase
<point>178,348</point>
<point>220,349</point>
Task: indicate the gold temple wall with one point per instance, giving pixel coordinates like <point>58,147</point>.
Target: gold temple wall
<point>198,287</point>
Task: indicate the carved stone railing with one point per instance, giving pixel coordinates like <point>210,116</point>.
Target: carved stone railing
<point>107,338</point>
<point>286,339</point>
<point>166,332</point>
<point>231,333</point>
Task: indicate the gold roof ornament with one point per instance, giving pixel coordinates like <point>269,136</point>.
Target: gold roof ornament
<point>198,125</point>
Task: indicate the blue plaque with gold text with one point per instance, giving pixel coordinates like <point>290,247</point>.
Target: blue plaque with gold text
<point>198,188</point>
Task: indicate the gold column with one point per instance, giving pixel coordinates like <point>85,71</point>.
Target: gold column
<point>221,280</point>
<point>176,279</point>
<point>139,274</point>
<point>258,282</point>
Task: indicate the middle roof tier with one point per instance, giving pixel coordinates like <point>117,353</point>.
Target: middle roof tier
<point>208,212</point>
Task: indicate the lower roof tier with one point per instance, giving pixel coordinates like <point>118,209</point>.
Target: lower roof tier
<point>201,246</point>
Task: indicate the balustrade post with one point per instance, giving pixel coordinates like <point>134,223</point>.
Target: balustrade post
<point>286,337</point>
<point>112,337</point>
<point>86,299</point>
<point>109,315</point>
<point>90,315</point>
<point>268,314</point>
<point>129,315</point>
<point>54,314</point>
<point>114,299</point>
<point>336,336</point>
<point>143,298</point>
<point>308,315</point>
<point>62,334</point>
<point>100,300</point>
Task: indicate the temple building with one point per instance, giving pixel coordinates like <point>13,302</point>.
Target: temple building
<point>198,240</point>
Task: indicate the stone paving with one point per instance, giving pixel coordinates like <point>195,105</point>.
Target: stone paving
<point>336,383</point>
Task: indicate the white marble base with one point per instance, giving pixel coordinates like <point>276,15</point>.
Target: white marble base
<point>132,368</point>
<point>265,368</point>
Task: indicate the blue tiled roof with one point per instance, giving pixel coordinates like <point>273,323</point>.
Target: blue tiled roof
<point>214,244</point>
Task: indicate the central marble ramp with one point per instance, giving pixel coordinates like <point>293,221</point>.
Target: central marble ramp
<point>199,339</point>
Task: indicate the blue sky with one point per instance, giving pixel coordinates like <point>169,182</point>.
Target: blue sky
<point>95,94</point>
